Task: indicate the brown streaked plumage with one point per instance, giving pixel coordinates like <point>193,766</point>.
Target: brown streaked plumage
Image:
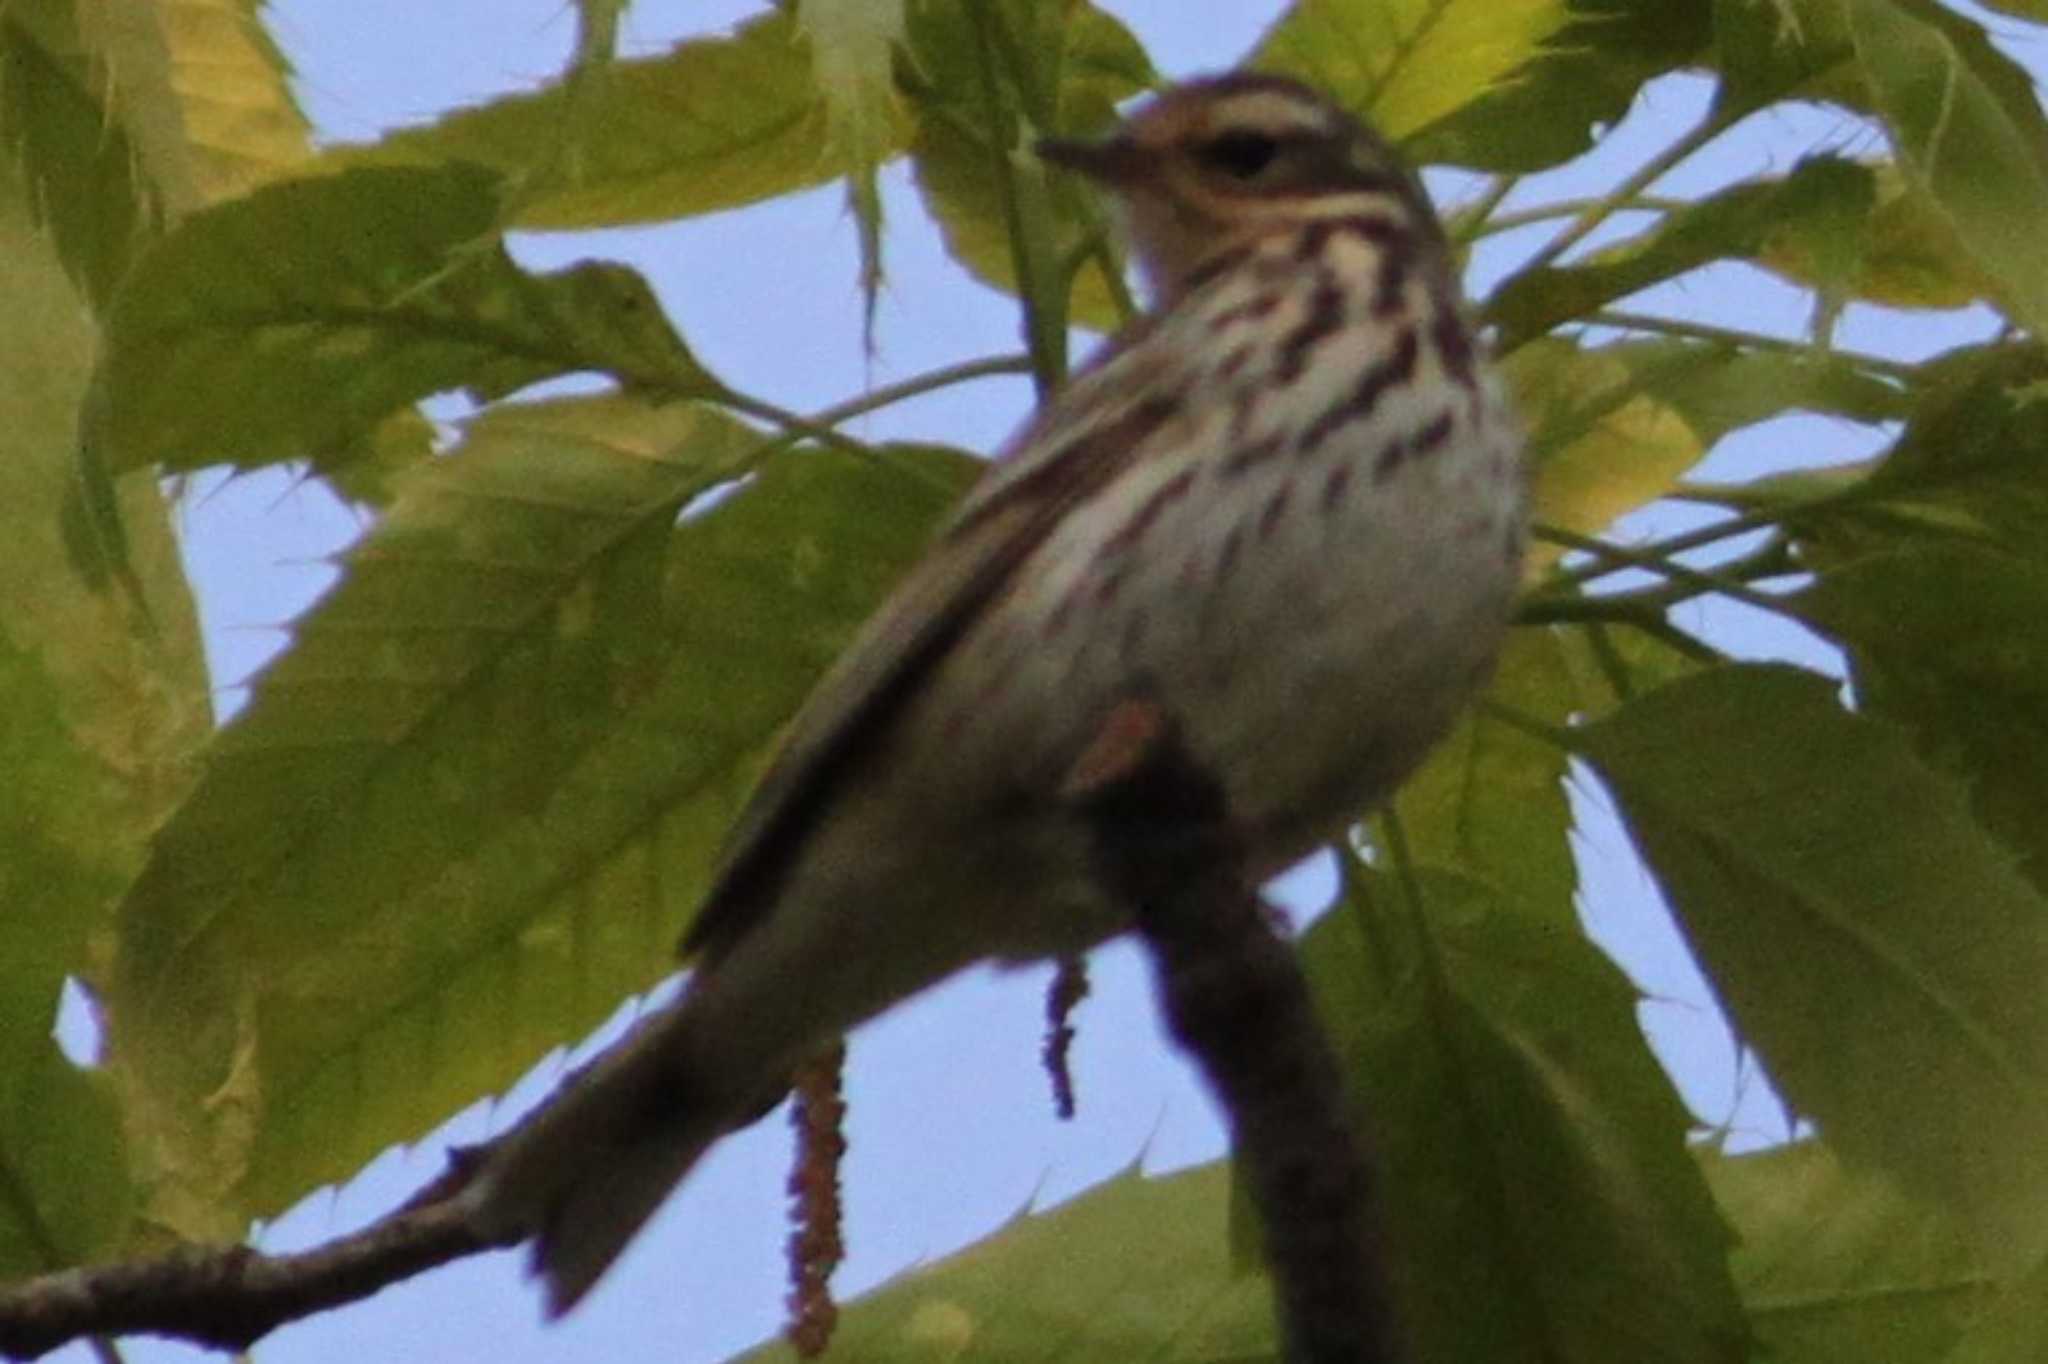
<point>1275,506</point>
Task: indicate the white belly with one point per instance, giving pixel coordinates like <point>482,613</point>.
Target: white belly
<point>1311,632</point>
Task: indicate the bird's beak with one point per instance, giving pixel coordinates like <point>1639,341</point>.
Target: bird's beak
<point>1112,161</point>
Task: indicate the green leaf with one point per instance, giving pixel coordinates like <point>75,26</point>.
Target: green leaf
<point>2009,84</point>
<point>1971,467</point>
<point>1068,1280</point>
<point>714,123</point>
<point>1944,639</point>
<point>1772,50</point>
<point>65,1192</point>
<point>1058,68</point>
<point>99,713</point>
<point>1535,1174</point>
<point>1869,939</point>
<point>290,324</point>
<point>1841,228</point>
<point>853,49</point>
<point>366,471</point>
<point>1898,251</point>
<point>1908,251</point>
<point>1064,65</point>
<point>1490,801</point>
<point>1835,1264</point>
<point>64,1188</point>
<point>1615,428</point>
<point>1718,389</point>
<point>84,189</point>
<point>1575,73</point>
<point>975,193</point>
<point>2013,1328</point>
<point>196,86</point>
<point>55,880</point>
<point>1501,86</point>
<point>475,804</point>
<point>123,113</point>
<point>1976,145</point>
<point>1616,663</point>
<point>1409,63</point>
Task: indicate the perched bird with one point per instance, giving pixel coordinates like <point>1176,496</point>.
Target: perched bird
<point>1285,506</point>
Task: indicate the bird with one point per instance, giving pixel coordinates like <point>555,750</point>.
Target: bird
<point>1285,505</point>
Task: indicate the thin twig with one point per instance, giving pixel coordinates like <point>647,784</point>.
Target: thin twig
<point>1569,208</point>
<point>1769,560</point>
<point>1704,581</point>
<point>918,385</point>
<point>1403,859</point>
<point>1111,270</point>
<point>793,424</point>
<point>1733,336</point>
<point>822,426</point>
<point>1471,221</point>
<point>1760,518</point>
<point>1047,344</point>
<point>819,425</point>
<point>1514,717</point>
<point>1717,121</point>
<point>1571,608</point>
<point>1607,658</point>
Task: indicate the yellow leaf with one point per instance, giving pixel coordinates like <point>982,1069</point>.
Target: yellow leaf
<point>1598,450</point>
<point>1408,63</point>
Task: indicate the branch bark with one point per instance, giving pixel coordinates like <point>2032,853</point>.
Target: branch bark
<point>229,1297</point>
<point>1235,998</point>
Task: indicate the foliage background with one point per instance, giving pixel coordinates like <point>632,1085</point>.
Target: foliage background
<point>463,814</point>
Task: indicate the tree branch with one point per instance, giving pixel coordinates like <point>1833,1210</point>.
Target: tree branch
<point>228,1297</point>
<point>1231,990</point>
<point>1235,997</point>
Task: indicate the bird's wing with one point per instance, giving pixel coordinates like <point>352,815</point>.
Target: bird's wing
<point>1079,441</point>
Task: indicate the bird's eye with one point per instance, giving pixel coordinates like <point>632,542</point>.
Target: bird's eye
<point>1241,154</point>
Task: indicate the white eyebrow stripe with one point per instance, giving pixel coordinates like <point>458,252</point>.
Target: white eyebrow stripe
<point>1271,111</point>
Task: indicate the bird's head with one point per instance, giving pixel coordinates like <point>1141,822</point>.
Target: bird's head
<point>1214,162</point>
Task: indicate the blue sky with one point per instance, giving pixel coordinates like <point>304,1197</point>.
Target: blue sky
<point>768,297</point>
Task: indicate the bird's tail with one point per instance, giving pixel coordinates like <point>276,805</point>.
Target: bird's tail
<point>583,1173</point>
